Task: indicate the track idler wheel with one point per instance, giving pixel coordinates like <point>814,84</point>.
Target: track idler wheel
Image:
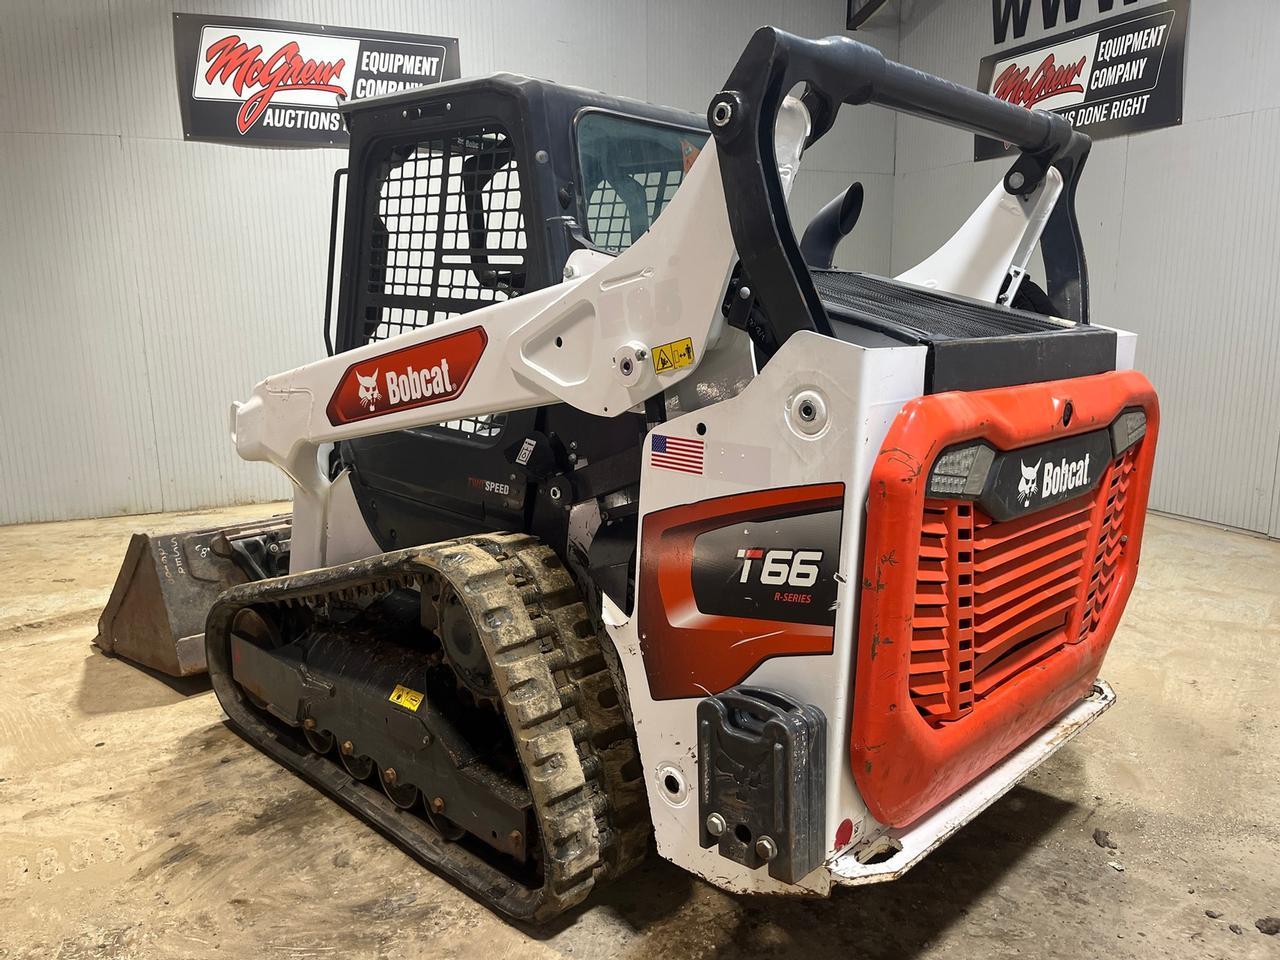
<point>463,649</point>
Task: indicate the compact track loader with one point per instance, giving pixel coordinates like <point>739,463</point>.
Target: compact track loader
<point>618,511</point>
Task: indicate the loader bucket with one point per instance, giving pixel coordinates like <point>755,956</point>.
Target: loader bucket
<point>167,583</point>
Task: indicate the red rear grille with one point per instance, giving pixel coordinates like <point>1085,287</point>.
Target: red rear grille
<point>975,633</point>
<point>995,598</point>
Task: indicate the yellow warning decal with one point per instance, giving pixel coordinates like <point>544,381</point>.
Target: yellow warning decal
<point>404,697</point>
<point>673,355</point>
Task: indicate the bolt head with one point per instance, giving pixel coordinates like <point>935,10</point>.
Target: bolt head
<point>516,838</point>
<point>715,824</point>
<point>437,804</point>
<point>389,776</point>
<point>807,413</point>
<point>766,849</point>
<point>722,113</point>
<point>347,748</point>
<point>555,493</point>
<point>1017,180</point>
<point>569,272</point>
<point>744,293</point>
<point>309,723</point>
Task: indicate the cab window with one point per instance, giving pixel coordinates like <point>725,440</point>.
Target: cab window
<point>630,171</point>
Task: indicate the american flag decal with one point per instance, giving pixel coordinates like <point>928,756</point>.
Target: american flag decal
<point>677,453</point>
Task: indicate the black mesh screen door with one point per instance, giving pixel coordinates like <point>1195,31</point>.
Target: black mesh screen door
<point>443,231</point>
<point>446,234</point>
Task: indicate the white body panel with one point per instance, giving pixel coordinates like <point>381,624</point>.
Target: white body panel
<point>346,535</point>
<point>1126,348</point>
<point>751,445</point>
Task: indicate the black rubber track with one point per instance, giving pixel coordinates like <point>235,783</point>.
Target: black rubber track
<point>577,752</point>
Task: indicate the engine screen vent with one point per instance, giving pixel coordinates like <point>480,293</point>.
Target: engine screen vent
<point>995,598</point>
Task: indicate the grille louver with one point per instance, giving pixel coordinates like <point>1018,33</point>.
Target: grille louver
<point>1111,540</point>
<point>995,598</point>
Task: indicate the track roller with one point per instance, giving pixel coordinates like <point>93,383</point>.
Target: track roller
<point>403,795</point>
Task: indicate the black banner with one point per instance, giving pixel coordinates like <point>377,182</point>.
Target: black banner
<point>1110,78</point>
<point>271,82</point>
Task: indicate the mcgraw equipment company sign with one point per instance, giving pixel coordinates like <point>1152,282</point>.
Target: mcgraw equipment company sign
<point>1110,78</point>
<point>272,83</point>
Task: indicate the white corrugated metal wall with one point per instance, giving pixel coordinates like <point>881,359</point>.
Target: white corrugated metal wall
<point>145,282</point>
<point>1182,231</point>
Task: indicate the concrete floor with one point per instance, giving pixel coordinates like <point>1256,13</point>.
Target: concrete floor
<point>133,823</point>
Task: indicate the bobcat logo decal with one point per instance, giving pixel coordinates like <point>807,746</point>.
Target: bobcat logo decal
<point>417,375</point>
<point>369,392</point>
<point>1027,485</point>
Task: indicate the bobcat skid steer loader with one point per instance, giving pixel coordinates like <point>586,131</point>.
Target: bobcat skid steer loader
<point>618,511</point>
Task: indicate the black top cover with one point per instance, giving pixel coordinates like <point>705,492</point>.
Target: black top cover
<point>973,345</point>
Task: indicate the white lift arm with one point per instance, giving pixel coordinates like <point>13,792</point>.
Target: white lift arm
<point>588,342</point>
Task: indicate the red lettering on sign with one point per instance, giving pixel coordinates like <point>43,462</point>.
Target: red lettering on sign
<point>241,65</point>
<point>1018,85</point>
